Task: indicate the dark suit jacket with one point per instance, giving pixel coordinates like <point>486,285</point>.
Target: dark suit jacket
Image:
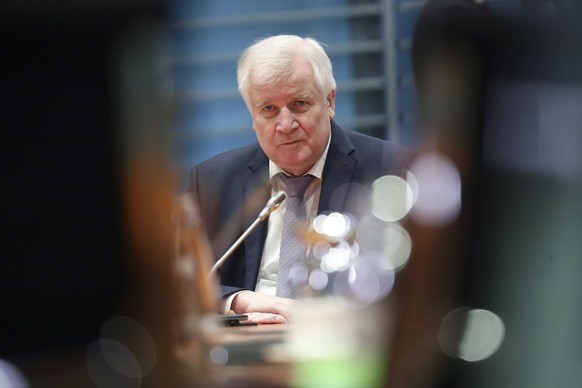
<point>232,188</point>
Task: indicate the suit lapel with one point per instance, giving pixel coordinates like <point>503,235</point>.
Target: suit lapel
<point>338,172</point>
<point>256,192</point>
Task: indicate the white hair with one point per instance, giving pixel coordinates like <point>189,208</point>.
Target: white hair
<point>270,60</point>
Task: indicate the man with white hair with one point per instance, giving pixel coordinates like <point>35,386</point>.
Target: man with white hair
<point>288,86</point>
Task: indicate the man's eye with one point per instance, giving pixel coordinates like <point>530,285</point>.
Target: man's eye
<point>268,111</point>
<point>301,105</point>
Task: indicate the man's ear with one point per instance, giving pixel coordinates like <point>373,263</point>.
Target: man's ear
<point>331,103</point>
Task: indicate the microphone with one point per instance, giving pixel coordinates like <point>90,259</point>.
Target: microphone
<point>272,204</point>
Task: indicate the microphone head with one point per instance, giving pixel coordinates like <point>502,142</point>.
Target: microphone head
<point>272,204</point>
<point>277,199</point>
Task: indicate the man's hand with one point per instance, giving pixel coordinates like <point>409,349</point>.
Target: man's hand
<point>263,308</point>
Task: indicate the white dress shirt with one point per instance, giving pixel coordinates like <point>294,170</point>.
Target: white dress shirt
<point>267,280</point>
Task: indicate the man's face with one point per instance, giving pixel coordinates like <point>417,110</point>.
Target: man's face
<point>292,119</point>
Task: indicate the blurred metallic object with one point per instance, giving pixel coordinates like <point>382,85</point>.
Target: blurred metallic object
<point>272,204</point>
<point>195,290</point>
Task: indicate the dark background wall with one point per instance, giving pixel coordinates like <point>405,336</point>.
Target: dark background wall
<point>63,267</point>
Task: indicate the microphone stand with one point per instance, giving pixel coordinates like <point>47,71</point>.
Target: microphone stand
<point>272,205</point>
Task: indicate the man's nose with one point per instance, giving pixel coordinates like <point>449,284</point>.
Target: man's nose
<point>286,121</point>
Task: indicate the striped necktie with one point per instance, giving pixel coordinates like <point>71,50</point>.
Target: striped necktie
<point>293,246</point>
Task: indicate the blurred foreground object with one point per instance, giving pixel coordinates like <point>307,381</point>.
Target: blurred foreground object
<point>489,297</point>
<point>88,292</point>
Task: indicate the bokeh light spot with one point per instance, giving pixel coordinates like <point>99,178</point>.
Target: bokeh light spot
<point>333,227</point>
<point>110,363</point>
<point>396,245</point>
<point>135,336</point>
<point>11,376</point>
<point>218,355</point>
<point>336,259</point>
<point>320,249</point>
<point>391,198</point>
<point>439,190</point>
<point>471,334</point>
<point>298,275</point>
<point>336,225</point>
<point>318,280</point>
<point>364,283</point>
<point>120,358</point>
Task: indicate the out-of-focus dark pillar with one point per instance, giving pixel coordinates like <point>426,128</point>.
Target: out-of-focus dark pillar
<point>500,97</point>
<point>449,50</point>
<point>87,245</point>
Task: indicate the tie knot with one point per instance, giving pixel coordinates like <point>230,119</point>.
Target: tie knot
<point>296,185</point>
